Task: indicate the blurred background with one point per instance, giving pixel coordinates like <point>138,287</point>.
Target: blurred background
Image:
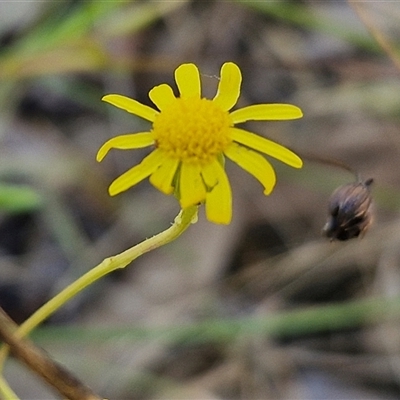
<point>221,313</point>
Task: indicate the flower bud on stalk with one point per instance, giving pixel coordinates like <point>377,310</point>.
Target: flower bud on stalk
<point>350,211</point>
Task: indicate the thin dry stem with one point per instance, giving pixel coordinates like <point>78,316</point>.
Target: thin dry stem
<point>51,372</point>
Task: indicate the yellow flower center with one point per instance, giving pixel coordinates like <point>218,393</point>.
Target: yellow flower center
<point>192,130</point>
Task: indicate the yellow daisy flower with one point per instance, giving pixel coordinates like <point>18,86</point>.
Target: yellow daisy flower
<point>192,135</point>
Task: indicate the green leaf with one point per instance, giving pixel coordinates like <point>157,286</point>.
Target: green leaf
<point>19,198</point>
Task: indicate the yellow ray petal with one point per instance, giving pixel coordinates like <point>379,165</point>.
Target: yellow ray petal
<point>266,146</point>
<point>163,177</point>
<point>191,186</point>
<point>266,112</point>
<point>229,86</point>
<point>187,78</point>
<point>219,199</point>
<point>137,173</point>
<point>254,163</point>
<point>132,106</point>
<point>162,95</point>
<point>125,142</point>
<point>210,175</point>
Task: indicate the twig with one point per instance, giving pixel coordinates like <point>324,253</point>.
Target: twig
<point>54,374</point>
<point>383,41</point>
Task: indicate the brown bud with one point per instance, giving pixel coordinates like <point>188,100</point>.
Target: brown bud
<point>350,211</point>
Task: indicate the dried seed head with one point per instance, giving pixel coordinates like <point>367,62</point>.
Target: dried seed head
<point>350,211</point>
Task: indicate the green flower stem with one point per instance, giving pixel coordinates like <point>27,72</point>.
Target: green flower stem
<point>42,365</point>
<point>5,391</point>
<point>181,223</point>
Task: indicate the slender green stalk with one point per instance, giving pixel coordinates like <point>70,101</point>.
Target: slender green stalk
<point>181,223</point>
<point>42,365</point>
<point>5,391</point>
<point>284,323</point>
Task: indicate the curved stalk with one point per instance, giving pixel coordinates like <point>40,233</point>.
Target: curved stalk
<point>181,223</point>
